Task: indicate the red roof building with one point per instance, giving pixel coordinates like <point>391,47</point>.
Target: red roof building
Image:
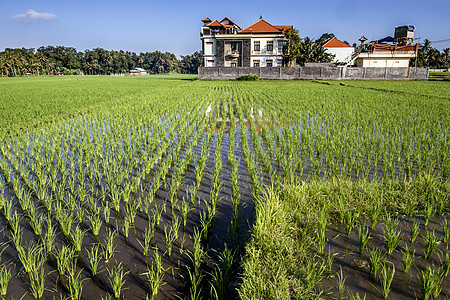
<point>226,44</point>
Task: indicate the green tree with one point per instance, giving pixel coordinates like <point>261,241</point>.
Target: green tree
<point>291,47</point>
<point>311,51</point>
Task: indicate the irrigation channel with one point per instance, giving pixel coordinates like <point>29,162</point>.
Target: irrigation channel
<point>158,202</point>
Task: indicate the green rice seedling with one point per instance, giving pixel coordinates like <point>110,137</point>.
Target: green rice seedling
<point>65,222</point>
<point>147,237</point>
<point>17,237</point>
<point>223,276</point>
<point>356,296</point>
<point>376,260</point>
<point>155,274</point>
<point>109,244</point>
<point>36,224</point>
<point>391,236</point>
<point>428,212</point>
<point>15,220</point>
<point>63,258</point>
<point>445,230</point>
<point>50,236</point>
<point>427,283</point>
<point>77,238</point>
<point>415,230</point>
<point>31,256</point>
<point>74,283</point>
<point>205,221</point>
<point>169,239</point>
<point>5,277</point>
<point>387,275</point>
<point>195,289</point>
<point>341,283</point>
<point>408,258</point>
<point>94,257</point>
<point>106,211</point>
<point>126,226</point>
<point>96,222</point>
<point>116,278</point>
<point>157,212</point>
<point>445,263</point>
<point>175,227</point>
<point>432,242</point>
<point>184,210</point>
<point>364,236</point>
<point>37,282</point>
<point>349,220</point>
<point>132,211</point>
<point>329,259</point>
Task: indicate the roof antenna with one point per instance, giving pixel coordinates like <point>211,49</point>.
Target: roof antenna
<point>260,17</point>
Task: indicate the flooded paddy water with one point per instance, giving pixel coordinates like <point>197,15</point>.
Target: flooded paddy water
<point>356,267</point>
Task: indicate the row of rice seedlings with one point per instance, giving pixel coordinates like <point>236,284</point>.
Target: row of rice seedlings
<point>378,145</point>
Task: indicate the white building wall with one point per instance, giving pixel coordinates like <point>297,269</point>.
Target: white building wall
<point>373,62</point>
<point>342,54</point>
<point>263,41</point>
<point>263,60</point>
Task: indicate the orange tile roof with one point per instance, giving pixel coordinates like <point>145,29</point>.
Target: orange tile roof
<point>261,26</point>
<point>215,23</point>
<point>206,20</point>
<point>335,43</point>
<point>230,21</point>
<point>395,48</point>
<point>284,28</point>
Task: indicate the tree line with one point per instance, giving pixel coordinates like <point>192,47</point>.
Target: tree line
<point>428,56</point>
<point>52,60</point>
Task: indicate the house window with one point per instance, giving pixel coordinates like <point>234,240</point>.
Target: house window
<point>280,46</point>
<point>256,63</point>
<point>209,48</point>
<point>269,63</point>
<point>257,46</point>
<point>270,46</point>
<point>280,62</point>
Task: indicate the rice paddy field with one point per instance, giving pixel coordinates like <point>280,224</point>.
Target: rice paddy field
<point>166,187</point>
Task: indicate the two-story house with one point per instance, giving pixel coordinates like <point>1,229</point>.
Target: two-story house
<point>226,44</point>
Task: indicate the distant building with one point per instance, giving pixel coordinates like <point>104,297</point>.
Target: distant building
<point>387,56</point>
<point>226,44</point>
<point>389,51</point>
<point>343,52</point>
<point>138,72</point>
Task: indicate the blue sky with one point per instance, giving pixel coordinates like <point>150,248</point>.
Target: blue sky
<point>174,26</point>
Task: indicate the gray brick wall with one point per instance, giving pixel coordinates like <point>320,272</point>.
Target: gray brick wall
<point>325,73</point>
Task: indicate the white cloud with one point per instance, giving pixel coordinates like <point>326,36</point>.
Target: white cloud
<point>32,15</point>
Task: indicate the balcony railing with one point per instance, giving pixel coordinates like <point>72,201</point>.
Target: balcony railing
<point>232,53</point>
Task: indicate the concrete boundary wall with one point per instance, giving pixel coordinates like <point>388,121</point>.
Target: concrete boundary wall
<point>315,73</point>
